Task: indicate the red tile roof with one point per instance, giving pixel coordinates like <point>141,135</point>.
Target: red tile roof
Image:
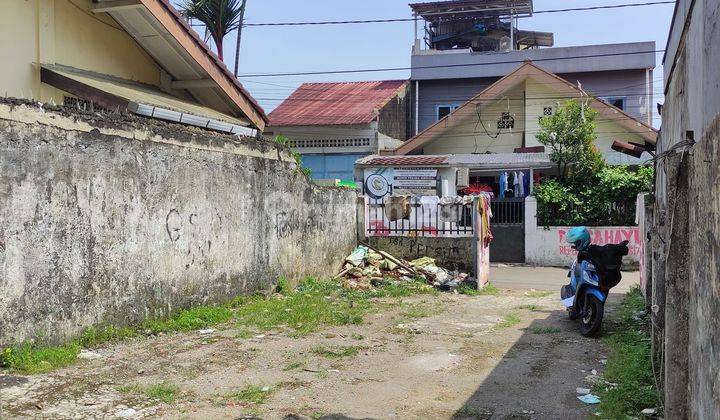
<point>407,160</point>
<point>342,103</point>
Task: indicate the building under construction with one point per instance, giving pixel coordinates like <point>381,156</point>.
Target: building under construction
<point>480,25</point>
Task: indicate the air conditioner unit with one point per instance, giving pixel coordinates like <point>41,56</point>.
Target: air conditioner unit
<point>463,177</point>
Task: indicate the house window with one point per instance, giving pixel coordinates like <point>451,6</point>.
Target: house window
<point>443,111</point>
<point>616,101</point>
<point>506,121</point>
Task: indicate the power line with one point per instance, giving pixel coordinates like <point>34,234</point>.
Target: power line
<point>351,22</point>
<point>445,66</point>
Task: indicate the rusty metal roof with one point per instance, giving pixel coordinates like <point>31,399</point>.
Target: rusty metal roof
<point>342,103</point>
<point>404,160</point>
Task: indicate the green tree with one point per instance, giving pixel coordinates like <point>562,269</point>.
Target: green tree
<point>569,134</point>
<point>220,17</point>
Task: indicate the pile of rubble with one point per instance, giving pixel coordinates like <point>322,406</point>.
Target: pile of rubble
<point>366,268</point>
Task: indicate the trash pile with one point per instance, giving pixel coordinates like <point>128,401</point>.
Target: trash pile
<point>366,268</point>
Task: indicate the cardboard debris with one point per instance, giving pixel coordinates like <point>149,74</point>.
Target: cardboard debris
<point>366,268</point>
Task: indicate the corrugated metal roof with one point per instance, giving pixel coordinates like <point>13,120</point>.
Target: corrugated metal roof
<point>404,160</point>
<point>478,161</point>
<point>343,103</point>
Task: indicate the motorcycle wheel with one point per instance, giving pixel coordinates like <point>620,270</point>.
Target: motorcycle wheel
<point>591,317</point>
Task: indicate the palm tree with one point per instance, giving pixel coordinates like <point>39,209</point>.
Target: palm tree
<point>220,17</point>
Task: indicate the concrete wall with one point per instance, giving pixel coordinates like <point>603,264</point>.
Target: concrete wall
<point>546,246</point>
<point>68,33</point>
<point>116,219</point>
<point>687,212</point>
<point>450,253</point>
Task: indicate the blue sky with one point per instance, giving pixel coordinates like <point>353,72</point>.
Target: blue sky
<point>335,47</point>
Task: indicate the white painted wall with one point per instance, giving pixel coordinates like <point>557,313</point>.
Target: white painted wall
<point>546,246</point>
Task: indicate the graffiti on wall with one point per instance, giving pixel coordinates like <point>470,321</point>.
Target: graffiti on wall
<point>606,235</point>
<point>288,223</point>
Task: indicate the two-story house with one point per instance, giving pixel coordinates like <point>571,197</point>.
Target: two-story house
<point>467,45</point>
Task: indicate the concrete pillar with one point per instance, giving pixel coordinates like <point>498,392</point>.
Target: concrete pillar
<point>530,229</point>
<point>677,290</point>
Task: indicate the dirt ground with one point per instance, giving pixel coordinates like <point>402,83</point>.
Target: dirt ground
<point>444,356</point>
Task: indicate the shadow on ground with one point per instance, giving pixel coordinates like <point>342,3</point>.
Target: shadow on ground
<point>537,378</point>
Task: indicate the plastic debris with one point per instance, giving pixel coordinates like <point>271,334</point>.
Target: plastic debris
<point>589,399</point>
<point>649,411</point>
<point>206,331</point>
<point>358,256</point>
<point>582,391</point>
<point>88,355</point>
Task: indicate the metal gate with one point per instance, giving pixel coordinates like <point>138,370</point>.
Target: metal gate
<point>508,228</point>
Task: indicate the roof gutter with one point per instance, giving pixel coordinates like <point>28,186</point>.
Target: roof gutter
<point>153,111</point>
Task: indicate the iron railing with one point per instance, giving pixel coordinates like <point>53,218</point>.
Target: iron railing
<point>448,220</point>
<point>508,211</point>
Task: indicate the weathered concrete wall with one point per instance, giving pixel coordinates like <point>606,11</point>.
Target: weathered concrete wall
<point>546,246</point>
<point>450,253</point>
<point>688,214</point>
<point>115,221</point>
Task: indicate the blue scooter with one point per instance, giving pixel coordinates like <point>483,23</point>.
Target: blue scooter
<point>586,294</point>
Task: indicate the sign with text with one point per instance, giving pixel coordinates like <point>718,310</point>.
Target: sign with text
<point>415,181</point>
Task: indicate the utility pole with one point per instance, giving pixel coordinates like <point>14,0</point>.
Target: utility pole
<point>239,35</point>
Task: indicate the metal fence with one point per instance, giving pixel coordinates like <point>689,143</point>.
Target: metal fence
<point>418,219</point>
<point>508,211</point>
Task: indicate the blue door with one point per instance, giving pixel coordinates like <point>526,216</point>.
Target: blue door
<point>332,166</point>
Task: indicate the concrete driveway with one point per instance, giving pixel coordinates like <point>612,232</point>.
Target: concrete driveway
<point>545,278</point>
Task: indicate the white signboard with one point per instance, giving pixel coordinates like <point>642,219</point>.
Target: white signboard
<point>414,181</point>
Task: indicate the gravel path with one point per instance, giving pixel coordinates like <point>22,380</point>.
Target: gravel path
<point>445,356</point>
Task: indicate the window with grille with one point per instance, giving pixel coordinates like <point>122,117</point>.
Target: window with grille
<point>308,143</point>
<point>547,111</point>
<point>506,121</point>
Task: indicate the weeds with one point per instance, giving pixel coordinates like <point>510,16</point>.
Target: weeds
<point>293,366</point>
<point>31,358</point>
<point>166,392</point>
<point>629,363</point>
<point>314,304</point>
<point>509,320</point>
<point>337,352</point>
<point>251,394</point>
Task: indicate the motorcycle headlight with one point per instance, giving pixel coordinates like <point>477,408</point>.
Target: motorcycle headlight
<point>587,278</point>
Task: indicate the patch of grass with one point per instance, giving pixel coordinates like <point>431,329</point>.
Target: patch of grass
<point>489,290</point>
<point>421,309</point>
<point>357,337</point>
<point>31,359</point>
<point>337,352</point>
<point>165,391</point>
<point>544,330</point>
<point>538,293</point>
<point>101,334</point>
<point>468,290</point>
<point>293,366</point>
<point>188,319</point>
<point>314,304</point>
<point>533,308</point>
<point>509,320</point>
<point>628,364</point>
<point>254,394</point>
<point>283,286</point>
<point>129,388</point>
